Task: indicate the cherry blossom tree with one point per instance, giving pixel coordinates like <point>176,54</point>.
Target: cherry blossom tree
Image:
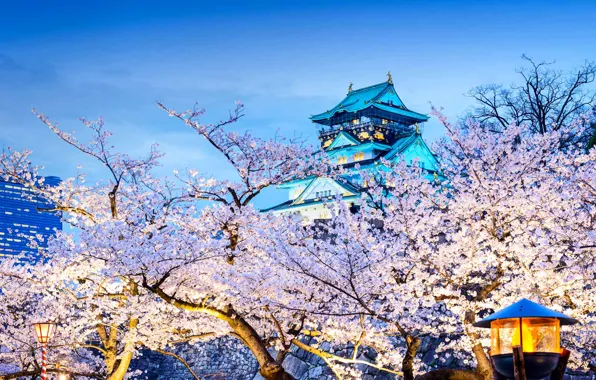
<point>80,275</point>
<point>142,241</point>
<point>514,218</point>
<point>518,222</point>
<point>158,261</point>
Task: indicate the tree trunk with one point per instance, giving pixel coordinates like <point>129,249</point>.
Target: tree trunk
<point>484,368</point>
<point>122,368</point>
<point>269,368</point>
<point>412,344</point>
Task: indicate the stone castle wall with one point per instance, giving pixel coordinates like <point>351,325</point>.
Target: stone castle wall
<point>228,359</point>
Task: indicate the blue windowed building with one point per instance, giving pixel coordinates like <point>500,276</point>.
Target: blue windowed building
<point>21,220</point>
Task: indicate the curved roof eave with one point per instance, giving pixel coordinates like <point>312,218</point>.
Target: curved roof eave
<point>525,308</point>
<point>406,113</point>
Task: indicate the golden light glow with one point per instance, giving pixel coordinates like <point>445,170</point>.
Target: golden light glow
<point>355,121</point>
<point>342,160</point>
<point>327,143</point>
<point>359,156</point>
<point>363,135</point>
<point>379,135</point>
<point>535,335</point>
<point>44,331</point>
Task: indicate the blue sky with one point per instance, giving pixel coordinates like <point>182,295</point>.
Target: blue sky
<point>285,60</point>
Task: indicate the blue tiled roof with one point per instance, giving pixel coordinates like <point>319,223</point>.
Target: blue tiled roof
<point>371,96</point>
<point>309,202</point>
<point>400,145</point>
<point>525,309</point>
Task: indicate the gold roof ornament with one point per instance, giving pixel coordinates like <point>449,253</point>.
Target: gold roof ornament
<point>350,88</point>
<point>389,78</point>
<point>417,128</point>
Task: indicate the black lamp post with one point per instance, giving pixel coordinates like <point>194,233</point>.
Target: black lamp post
<point>533,327</point>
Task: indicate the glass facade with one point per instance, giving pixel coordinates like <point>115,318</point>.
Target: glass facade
<point>21,222</point>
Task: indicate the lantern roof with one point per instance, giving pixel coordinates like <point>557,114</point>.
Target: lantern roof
<point>525,309</point>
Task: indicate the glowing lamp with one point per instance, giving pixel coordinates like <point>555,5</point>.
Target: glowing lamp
<point>535,329</point>
<point>44,331</point>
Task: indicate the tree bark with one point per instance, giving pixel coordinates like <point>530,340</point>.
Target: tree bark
<point>519,366</point>
<point>120,371</point>
<point>484,368</point>
<point>269,368</point>
<point>559,373</point>
<point>412,344</point>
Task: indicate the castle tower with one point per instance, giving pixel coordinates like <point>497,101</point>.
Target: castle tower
<point>369,124</point>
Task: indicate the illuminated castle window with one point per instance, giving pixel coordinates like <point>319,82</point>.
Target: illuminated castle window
<point>385,121</point>
<point>363,135</point>
<point>356,121</point>
<point>342,160</point>
<point>379,135</point>
<point>359,156</point>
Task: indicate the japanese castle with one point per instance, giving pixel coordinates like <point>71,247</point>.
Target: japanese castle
<point>369,124</point>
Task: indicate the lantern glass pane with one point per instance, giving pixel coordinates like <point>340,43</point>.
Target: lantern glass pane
<point>44,331</point>
<point>541,335</point>
<point>535,335</point>
<point>504,336</point>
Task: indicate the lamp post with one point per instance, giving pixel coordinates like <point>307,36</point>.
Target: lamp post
<point>532,327</point>
<point>44,332</point>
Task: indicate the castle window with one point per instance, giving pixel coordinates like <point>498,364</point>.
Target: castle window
<point>355,121</point>
<point>385,121</point>
<point>342,160</point>
<point>359,156</point>
<point>363,135</point>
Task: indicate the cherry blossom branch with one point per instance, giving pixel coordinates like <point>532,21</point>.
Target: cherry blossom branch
<point>334,358</point>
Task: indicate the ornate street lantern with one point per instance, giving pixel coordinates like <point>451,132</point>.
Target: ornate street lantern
<point>44,332</point>
<point>535,329</point>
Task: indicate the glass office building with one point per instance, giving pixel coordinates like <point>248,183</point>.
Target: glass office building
<point>21,221</point>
